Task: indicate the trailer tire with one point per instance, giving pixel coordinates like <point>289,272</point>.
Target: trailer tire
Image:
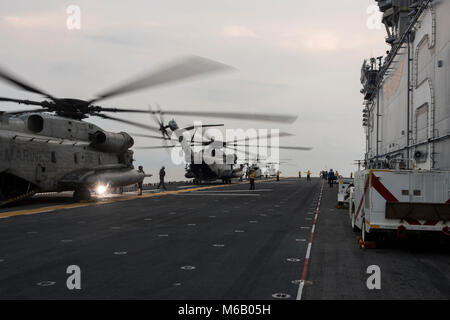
<point>353,224</point>
<point>367,236</point>
<point>363,231</point>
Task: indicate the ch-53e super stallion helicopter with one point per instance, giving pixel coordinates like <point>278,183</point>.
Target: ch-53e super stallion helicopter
<point>53,149</point>
<point>207,160</point>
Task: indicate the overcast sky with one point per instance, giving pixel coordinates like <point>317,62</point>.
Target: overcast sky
<point>291,56</point>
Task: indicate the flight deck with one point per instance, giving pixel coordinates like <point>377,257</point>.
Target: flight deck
<point>284,241</point>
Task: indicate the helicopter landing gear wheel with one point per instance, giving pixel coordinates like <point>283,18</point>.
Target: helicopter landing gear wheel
<point>82,194</point>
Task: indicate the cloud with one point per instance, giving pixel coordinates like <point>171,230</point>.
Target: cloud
<point>151,23</point>
<point>46,20</point>
<point>284,51</point>
<point>113,39</point>
<point>238,32</point>
<point>322,40</point>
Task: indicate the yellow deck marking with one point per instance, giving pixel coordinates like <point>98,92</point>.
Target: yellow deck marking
<point>125,198</point>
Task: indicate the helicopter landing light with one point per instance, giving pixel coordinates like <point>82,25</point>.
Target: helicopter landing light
<point>101,189</point>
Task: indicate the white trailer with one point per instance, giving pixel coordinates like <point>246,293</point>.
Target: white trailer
<point>400,201</point>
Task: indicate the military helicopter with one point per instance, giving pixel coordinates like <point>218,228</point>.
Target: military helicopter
<point>208,160</point>
<point>271,168</point>
<point>52,148</point>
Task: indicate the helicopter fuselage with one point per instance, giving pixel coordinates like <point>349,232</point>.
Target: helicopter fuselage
<point>40,152</point>
<point>213,165</point>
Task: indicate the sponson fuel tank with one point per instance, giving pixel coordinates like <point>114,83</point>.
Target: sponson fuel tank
<point>115,178</point>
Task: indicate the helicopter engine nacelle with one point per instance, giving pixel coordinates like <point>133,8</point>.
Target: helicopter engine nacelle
<point>35,123</point>
<point>112,142</point>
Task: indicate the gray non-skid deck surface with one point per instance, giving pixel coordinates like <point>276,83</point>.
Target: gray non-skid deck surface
<point>242,245</point>
<point>411,269</point>
<point>238,241</point>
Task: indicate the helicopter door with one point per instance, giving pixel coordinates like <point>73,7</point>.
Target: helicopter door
<point>40,173</point>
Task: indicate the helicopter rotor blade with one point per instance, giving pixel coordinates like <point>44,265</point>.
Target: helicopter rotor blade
<point>233,142</point>
<point>188,67</point>
<point>25,111</point>
<point>228,115</point>
<point>136,124</point>
<point>161,116</point>
<point>267,136</point>
<point>295,148</point>
<point>14,80</point>
<point>150,136</point>
<point>19,101</point>
<point>159,121</point>
<point>256,156</point>
<point>279,147</point>
<point>235,115</point>
<point>154,147</point>
<point>203,126</point>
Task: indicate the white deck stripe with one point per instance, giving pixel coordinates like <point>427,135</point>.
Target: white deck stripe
<point>308,251</point>
<point>236,190</point>
<point>300,290</point>
<point>219,194</point>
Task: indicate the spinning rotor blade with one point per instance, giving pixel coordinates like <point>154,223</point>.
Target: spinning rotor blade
<point>235,115</point>
<point>150,136</point>
<point>244,151</point>
<point>160,121</point>
<point>267,136</point>
<point>161,117</point>
<point>155,118</point>
<point>22,84</point>
<point>233,142</point>
<point>186,68</point>
<point>101,109</point>
<point>203,126</point>
<point>136,124</point>
<point>155,147</point>
<point>25,111</point>
<point>279,147</point>
<point>296,148</point>
<point>26,102</point>
<point>227,115</point>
